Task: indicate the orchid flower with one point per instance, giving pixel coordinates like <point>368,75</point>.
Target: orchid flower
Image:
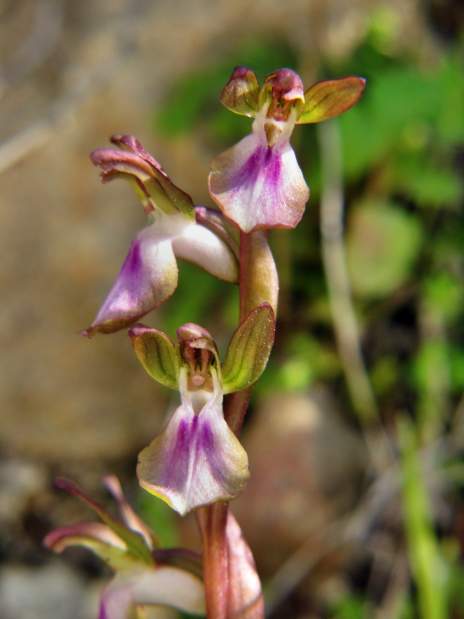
<point>146,575</point>
<point>258,183</point>
<point>149,273</point>
<point>197,459</point>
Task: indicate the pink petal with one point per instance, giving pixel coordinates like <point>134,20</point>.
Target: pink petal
<point>170,586</point>
<point>117,601</point>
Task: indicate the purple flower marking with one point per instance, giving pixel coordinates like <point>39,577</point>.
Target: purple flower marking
<point>176,469</point>
<point>192,435</point>
<point>133,263</point>
<point>197,460</point>
<point>264,161</point>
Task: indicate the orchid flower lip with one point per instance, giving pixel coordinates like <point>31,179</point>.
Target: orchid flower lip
<point>196,460</point>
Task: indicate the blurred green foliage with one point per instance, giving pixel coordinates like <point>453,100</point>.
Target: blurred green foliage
<point>160,517</point>
<point>375,228</point>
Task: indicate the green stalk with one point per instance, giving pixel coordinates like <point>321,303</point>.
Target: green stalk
<point>424,553</point>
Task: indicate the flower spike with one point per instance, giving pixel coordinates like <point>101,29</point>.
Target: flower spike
<point>258,183</point>
<point>149,274</point>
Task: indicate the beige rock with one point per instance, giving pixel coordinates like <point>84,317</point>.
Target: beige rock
<point>306,466</point>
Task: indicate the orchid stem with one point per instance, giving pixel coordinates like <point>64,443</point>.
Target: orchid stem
<point>258,284</point>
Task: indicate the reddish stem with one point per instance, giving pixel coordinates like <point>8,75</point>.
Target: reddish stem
<point>213,519</point>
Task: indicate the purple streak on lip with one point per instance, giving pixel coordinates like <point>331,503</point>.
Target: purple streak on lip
<point>248,173</point>
<point>265,160</point>
<point>194,439</point>
<point>213,456</point>
<point>267,155</point>
<point>175,473</point>
<point>133,263</point>
<point>273,171</point>
<point>207,438</point>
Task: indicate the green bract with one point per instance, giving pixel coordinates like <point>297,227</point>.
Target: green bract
<point>135,546</point>
<point>249,349</point>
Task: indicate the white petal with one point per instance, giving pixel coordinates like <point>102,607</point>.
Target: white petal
<point>199,245</point>
<point>163,586</point>
<point>170,586</point>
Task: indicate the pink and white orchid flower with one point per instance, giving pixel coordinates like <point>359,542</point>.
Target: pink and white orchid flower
<point>149,274</point>
<point>258,183</point>
<point>197,459</point>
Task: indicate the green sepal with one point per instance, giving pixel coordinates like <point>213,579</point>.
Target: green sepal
<point>169,197</point>
<point>240,94</point>
<point>157,353</point>
<point>249,349</point>
<point>330,98</point>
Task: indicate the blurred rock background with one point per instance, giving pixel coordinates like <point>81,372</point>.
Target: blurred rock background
<point>73,73</point>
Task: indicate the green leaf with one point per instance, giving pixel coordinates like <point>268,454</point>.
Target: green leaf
<point>157,354</point>
<point>383,242</point>
<point>249,349</point>
<point>374,128</point>
<point>330,98</point>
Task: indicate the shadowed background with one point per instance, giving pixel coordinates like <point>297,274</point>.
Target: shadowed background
<point>328,542</point>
